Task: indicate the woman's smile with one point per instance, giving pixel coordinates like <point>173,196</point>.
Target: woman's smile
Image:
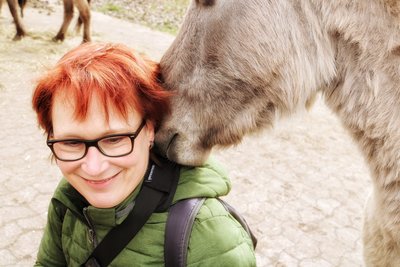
<point>104,182</point>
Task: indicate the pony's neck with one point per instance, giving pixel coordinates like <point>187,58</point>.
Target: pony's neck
<point>365,95</point>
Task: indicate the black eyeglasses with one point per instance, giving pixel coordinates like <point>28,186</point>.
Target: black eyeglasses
<point>113,145</point>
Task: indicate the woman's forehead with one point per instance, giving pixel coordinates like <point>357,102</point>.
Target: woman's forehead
<point>97,116</point>
<point>81,105</point>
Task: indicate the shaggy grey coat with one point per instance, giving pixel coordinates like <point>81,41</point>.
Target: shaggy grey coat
<point>238,65</point>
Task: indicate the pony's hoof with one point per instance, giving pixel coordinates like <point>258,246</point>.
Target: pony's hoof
<point>58,38</point>
<point>18,37</point>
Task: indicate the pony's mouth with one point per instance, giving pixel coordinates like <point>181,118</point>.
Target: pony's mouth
<point>169,147</point>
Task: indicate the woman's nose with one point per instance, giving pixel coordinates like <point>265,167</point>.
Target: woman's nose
<point>94,162</point>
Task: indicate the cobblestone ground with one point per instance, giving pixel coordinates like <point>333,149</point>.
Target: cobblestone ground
<point>301,185</point>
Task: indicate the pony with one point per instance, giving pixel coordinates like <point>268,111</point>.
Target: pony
<point>238,66</point>
<point>21,4</point>
<point>84,18</point>
<point>13,6</point>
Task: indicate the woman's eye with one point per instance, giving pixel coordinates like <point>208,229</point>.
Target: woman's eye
<point>71,143</point>
<point>114,140</point>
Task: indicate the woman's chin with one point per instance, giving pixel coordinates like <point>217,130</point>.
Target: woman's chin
<point>104,201</point>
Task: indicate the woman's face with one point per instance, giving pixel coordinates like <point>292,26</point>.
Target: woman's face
<point>103,181</point>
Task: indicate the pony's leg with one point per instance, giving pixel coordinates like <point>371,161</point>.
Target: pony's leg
<point>22,4</point>
<point>84,15</point>
<point>68,14</point>
<point>12,4</point>
<point>380,247</point>
<point>79,22</point>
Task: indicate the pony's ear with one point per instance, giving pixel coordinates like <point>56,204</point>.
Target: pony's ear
<point>205,2</point>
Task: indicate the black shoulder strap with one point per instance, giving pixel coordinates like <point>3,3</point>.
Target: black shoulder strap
<point>179,226</point>
<point>178,229</point>
<point>160,184</point>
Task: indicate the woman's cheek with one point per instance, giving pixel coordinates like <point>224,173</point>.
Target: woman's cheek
<point>67,168</point>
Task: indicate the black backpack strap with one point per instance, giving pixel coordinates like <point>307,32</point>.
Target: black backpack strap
<point>158,187</point>
<point>178,229</point>
<point>240,219</point>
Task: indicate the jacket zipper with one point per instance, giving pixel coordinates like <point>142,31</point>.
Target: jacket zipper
<point>92,233</point>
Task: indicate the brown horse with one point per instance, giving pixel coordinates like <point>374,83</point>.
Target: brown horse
<point>237,66</point>
<point>84,18</point>
<point>13,6</point>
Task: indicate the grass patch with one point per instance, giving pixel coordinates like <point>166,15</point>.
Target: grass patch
<point>162,15</point>
<point>110,7</point>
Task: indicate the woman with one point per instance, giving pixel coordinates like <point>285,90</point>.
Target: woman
<point>100,107</point>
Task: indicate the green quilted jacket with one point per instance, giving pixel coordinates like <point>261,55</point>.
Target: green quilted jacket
<point>217,239</point>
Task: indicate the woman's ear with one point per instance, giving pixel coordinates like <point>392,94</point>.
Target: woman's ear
<point>150,131</point>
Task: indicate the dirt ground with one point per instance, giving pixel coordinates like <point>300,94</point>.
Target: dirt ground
<point>301,186</point>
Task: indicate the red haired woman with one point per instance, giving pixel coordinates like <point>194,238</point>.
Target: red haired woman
<point>100,107</point>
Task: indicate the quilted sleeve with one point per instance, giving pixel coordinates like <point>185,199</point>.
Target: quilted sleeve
<point>50,251</point>
<point>217,239</point>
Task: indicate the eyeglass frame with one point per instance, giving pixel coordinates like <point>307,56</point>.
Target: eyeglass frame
<point>95,143</point>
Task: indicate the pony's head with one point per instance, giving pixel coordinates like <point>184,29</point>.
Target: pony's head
<point>234,66</point>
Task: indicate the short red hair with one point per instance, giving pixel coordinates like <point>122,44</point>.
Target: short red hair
<point>113,72</point>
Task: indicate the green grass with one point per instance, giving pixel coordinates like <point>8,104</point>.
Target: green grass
<point>162,15</point>
<point>110,7</point>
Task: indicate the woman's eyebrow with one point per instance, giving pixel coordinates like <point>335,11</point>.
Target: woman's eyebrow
<point>71,135</point>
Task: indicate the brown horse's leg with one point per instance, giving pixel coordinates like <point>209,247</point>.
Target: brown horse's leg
<point>22,4</point>
<point>68,14</point>
<point>78,22</point>
<point>84,15</point>
<point>12,4</point>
